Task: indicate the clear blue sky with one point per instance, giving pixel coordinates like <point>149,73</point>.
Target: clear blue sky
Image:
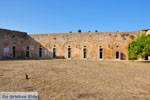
<point>56,16</point>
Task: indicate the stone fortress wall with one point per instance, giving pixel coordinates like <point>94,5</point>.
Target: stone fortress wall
<point>8,39</point>
<point>84,45</point>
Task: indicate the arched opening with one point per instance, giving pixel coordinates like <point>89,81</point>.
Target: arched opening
<point>40,51</point>
<point>146,57</point>
<point>14,51</point>
<point>101,53</point>
<point>27,52</point>
<point>117,55</point>
<point>69,52</point>
<point>84,53</point>
<point>54,52</point>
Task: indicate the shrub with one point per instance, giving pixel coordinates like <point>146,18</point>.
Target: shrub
<point>79,30</point>
<point>139,47</point>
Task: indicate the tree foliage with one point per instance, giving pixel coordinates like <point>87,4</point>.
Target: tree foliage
<point>140,47</point>
<point>79,30</point>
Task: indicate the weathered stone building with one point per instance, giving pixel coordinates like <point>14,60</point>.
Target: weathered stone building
<point>85,45</point>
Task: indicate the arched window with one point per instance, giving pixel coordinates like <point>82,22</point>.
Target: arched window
<point>40,51</point>
<point>27,52</point>
<point>54,52</point>
<point>84,53</point>
<point>117,55</point>
<point>69,52</point>
<point>101,53</point>
<point>14,51</point>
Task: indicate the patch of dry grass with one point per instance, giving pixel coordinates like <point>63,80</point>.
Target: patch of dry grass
<point>77,80</point>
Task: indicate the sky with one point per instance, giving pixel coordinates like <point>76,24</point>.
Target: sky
<point>61,16</point>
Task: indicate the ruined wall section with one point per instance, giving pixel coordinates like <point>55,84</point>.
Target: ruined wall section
<point>10,39</point>
<point>34,45</point>
<point>92,41</point>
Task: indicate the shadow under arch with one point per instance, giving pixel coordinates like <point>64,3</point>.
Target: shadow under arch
<point>123,56</point>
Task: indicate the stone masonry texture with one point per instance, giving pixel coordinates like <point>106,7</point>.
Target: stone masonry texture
<point>41,46</point>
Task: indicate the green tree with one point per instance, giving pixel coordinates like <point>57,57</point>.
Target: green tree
<point>96,30</point>
<point>139,47</point>
<point>79,30</point>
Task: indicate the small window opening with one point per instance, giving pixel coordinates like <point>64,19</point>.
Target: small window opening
<point>84,53</point>
<point>101,53</point>
<point>69,52</point>
<point>40,51</point>
<point>54,52</point>
<point>27,51</point>
<point>117,55</point>
<point>14,52</point>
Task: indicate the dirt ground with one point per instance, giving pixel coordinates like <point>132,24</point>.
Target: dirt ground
<point>77,79</point>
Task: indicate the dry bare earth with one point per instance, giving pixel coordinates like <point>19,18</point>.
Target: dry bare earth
<point>77,80</point>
